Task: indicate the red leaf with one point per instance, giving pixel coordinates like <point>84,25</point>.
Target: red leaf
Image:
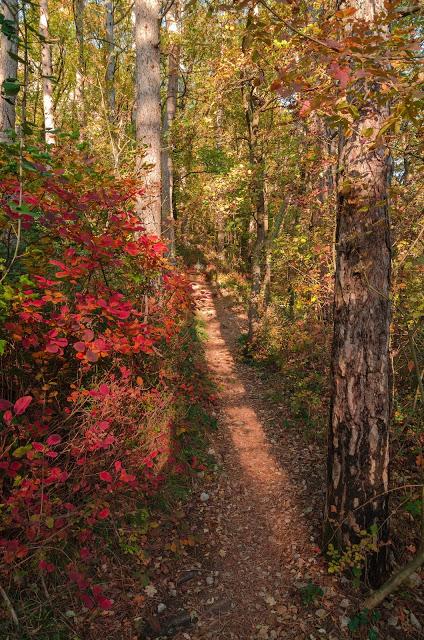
<point>104,513</point>
<point>88,335</point>
<point>5,404</point>
<point>91,356</point>
<point>105,475</point>
<point>85,553</point>
<point>305,108</point>
<point>55,438</point>
<point>22,404</point>
<point>104,603</point>
<point>52,348</point>
<point>46,566</point>
<point>79,346</point>
<point>342,74</point>
<point>89,602</point>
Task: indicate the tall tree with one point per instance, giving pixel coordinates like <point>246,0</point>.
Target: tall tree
<point>358,454</point>
<point>8,65</point>
<point>253,103</point>
<point>79,7</point>
<point>148,108</point>
<point>47,73</point>
<point>173,29</point>
<point>111,58</point>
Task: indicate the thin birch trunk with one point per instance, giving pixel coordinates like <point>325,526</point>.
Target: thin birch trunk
<point>79,7</point>
<point>46,73</point>
<point>148,109</point>
<point>168,217</point>
<point>111,59</point>
<point>8,69</point>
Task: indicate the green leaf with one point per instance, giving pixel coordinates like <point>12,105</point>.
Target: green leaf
<point>10,87</point>
<point>20,452</point>
<point>3,344</point>
<point>22,208</point>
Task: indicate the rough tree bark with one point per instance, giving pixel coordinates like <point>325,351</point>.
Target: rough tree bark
<point>46,73</point>
<point>79,6</point>
<point>358,450</point>
<point>148,115</point>
<point>8,69</point>
<point>173,27</point>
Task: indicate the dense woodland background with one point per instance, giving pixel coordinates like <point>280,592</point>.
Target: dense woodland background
<point>275,147</point>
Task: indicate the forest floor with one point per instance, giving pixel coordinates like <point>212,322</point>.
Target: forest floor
<point>258,572</point>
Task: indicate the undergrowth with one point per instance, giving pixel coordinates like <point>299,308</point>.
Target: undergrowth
<point>104,394</point>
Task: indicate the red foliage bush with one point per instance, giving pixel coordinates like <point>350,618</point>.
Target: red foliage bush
<point>90,305</point>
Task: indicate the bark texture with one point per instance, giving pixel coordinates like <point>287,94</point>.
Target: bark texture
<point>258,268</point>
<point>79,7</point>
<point>358,452</point>
<point>148,108</point>
<point>111,59</point>
<point>8,69</point>
<point>46,73</point>
<point>173,28</point>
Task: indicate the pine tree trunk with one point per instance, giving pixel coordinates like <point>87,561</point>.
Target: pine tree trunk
<point>173,27</point>
<point>46,73</point>
<point>148,109</point>
<point>358,450</point>
<point>8,69</point>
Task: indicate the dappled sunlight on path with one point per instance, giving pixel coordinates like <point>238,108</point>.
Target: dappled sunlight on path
<point>261,549</point>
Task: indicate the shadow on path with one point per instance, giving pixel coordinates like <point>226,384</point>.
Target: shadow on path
<point>259,551</point>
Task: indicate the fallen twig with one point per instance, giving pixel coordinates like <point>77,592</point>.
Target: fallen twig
<point>9,606</point>
<point>394,582</point>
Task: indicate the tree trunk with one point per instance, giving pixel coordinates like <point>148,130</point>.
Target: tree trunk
<point>79,7</point>
<point>173,27</point>
<point>46,73</point>
<point>148,109</point>
<point>358,451</point>
<point>261,219</point>
<point>111,60</point>
<point>8,69</point>
<point>252,103</point>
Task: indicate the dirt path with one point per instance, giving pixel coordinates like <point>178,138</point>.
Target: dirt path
<point>255,571</point>
<point>261,549</point>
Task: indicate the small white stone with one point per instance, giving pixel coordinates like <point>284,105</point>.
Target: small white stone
<point>204,497</point>
<point>161,607</point>
<point>414,580</point>
<point>209,580</point>
<point>344,621</point>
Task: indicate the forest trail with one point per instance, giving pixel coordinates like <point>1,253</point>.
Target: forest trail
<point>260,548</point>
